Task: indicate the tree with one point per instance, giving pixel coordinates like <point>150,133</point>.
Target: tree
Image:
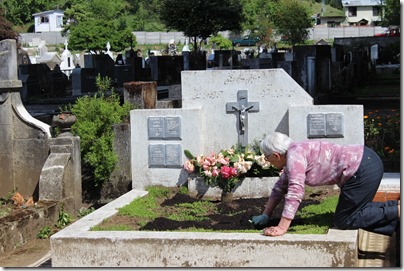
<point>19,12</point>
<point>292,21</point>
<point>94,23</point>
<point>200,19</point>
<point>6,28</point>
<point>392,12</point>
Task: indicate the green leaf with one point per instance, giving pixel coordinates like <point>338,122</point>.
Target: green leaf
<point>189,155</point>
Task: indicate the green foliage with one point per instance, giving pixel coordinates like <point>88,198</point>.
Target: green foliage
<point>95,117</point>
<point>97,22</point>
<point>85,211</point>
<point>111,228</point>
<point>5,210</point>
<point>195,211</point>
<point>220,42</point>
<point>6,28</point>
<point>392,13</point>
<point>143,207</point>
<point>183,190</point>
<point>64,219</point>
<point>201,18</point>
<point>20,12</point>
<point>317,218</point>
<point>382,134</point>
<point>294,31</point>
<point>44,233</point>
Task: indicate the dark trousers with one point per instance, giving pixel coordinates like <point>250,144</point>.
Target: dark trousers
<point>355,208</point>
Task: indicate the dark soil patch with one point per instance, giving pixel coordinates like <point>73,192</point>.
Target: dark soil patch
<point>232,216</point>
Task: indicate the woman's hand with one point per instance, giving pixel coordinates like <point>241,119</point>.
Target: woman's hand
<point>274,231</point>
<point>279,230</point>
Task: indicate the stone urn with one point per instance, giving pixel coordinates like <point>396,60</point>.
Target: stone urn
<point>64,121</point>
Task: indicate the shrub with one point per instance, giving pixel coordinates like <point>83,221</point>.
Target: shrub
<point>382,134</point>
<point>95,117</point>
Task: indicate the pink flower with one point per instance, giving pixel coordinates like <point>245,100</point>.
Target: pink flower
<point>223,160</point>
<point>189,166</point>
<point>207,173</point>
<point>228,172</point>
<point>215,171</point>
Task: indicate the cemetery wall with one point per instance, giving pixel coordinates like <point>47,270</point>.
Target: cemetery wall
<point>143,37</point>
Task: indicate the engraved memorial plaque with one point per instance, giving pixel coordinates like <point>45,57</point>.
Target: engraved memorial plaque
<point>316,125</point>
<point>173,156</point>
<point>172,128</point>
<point>334,124</point>
<point>157,155</point>
<point>155,127</point>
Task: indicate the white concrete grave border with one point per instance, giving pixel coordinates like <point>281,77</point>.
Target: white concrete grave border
<point>77,246</point>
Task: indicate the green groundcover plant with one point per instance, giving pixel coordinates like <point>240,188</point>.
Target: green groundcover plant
<point>315,218</point>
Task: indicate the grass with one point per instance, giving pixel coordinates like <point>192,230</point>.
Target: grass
<point>317,217</point>
<point>314,219</point>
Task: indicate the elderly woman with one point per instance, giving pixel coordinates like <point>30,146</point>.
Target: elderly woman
<point>356,169</point>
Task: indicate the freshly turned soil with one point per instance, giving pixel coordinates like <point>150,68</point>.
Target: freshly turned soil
<point>233,216</point>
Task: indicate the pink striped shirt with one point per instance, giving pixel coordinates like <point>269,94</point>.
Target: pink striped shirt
<point>314,163</point>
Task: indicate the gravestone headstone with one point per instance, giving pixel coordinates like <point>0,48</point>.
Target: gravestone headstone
<point>24,142</point>
<point>211,119</point>
<point>83,81</point>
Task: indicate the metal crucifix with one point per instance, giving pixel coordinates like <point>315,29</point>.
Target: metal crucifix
<point>242,107</point>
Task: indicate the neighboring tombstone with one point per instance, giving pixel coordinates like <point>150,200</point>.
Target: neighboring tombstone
<point>67,65</point>
<point>103,64</point>
<point>212,118</point>
<point>222,59</point>
<point>36,81</point>
<point>142,95</point>
<point>83,81</point>
<point>123,73</point>
<point>24,142</point>
<point>57,81</point>
<point>185,55</point>
<point>119,60</point>
<point>108,52</point>
<point>51,59</point>
<point>23,57</point>
<point>153,65</point>
<point>169,70</point>
<point>374,53</point>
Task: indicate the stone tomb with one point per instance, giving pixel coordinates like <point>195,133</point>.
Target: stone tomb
<point>78,246</point>
<point>220,108</point>
<point>226,107</point>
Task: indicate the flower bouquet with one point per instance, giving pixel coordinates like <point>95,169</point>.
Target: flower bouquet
<point>229,167</point>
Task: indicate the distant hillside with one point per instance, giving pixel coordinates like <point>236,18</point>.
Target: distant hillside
<point>316,8</point>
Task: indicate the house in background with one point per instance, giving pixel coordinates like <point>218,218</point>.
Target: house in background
<point>363,12</point>
<point>48,21</point>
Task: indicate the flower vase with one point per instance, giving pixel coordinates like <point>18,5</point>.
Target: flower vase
<point>64,121</point>
<point>226,197</point>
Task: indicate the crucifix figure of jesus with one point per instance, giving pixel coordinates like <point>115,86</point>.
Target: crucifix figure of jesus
<point>241,108</point>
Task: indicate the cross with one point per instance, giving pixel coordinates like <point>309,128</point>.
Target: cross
<point>242,107</point>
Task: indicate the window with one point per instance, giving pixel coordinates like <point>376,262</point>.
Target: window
<point>59,21</point>
<point>44,19</point>
<point>376,11</point>
<point>352,11</point>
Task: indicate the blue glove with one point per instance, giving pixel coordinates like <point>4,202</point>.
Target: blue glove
<point>260,220</point>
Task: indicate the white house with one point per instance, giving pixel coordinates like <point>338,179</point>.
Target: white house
<point>363,12</point>
<point>48,21</point>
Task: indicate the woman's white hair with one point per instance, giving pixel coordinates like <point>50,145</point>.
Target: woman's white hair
<point>275,142</point>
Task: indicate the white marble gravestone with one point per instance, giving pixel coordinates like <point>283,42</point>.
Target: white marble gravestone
<point>223,107</point>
